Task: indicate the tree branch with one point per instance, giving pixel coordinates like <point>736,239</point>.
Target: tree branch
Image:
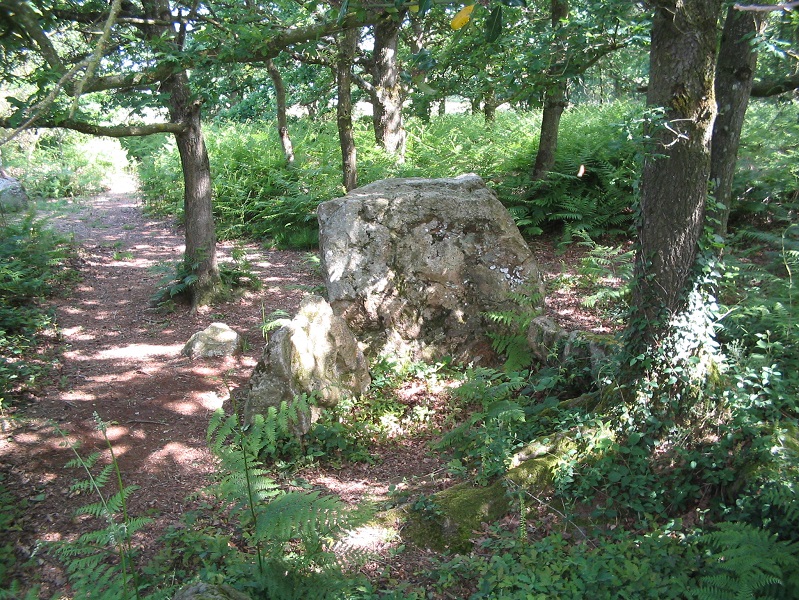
<point>28,19</point>
<point>765,89</point>
<point>116,131</point>
<point>785,6</point>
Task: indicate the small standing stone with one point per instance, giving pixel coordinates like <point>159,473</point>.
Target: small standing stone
<point>314,353</point>
<point>13,197</point>
<point>215,340</point>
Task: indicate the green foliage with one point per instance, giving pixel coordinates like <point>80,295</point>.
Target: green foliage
<point>766,191</point>
<point>606,274</point>
<point>652,566</point>
<point>288,537</point>
<point>742,561</point>
<point>61,163</point>
<point>102,563</point>
<point>257,195</point>
<point>10,512</point>
<point>177,279</point>
<point>510,337</point>
<point>494,431</point>
<point>32,267</point>
<point>592,189</point>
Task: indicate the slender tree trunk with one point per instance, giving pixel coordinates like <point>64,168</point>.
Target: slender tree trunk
<point>387,102</point>
<point>348,43</point>
<point>282,121</point>
<point>554,105</point>
<point>675,176</point>
<point>490,107</point>
<point>200,255</point>
<point>734,75</point>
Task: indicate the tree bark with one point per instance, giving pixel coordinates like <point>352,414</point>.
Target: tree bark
<point>734,75</point>
<point>490,107</point>
<point>200,256</point>
<point>387,101</point>
<point>675,175</point>
<point>348,42</point>
<point>554,105</point>
<point>282,120</point>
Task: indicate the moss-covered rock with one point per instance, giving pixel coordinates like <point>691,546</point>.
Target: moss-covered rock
<point>449,518</point>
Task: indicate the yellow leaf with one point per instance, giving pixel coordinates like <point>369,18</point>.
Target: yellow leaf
<point>414,8</point>
<point>462,17</point>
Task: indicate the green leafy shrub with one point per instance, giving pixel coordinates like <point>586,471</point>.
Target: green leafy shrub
<point>102,563</point>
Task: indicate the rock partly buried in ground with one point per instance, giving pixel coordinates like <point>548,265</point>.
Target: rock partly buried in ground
<point>584,354</point>
<point>13,197</point>
<point>415,266</point>
<point>451,517</point>
<point>315,354</point>
<point>208,591</point>
<point>215,340</point>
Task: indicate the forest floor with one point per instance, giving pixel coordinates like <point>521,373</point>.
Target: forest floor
<point>116,357</point>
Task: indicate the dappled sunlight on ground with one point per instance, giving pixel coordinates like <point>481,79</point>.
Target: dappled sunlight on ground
<point>121,361</point>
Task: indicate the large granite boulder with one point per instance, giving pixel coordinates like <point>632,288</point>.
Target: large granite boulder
<point>13,197</point>
<point>314,353</point>
<point>415,265</point>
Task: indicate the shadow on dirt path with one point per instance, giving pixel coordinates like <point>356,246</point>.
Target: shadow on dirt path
<point>122,361</point>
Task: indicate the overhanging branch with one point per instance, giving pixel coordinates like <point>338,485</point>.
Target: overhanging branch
<point>116,131</point>
<point>784,6</point>
<point>765,89</point>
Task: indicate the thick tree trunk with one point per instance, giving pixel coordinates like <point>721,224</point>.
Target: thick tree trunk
<point>387,100</point>
<point>675,176</point>
<point>348,42</point>
<point>554,105</point>
<point>200,256</point>
<point>734,75</point>
<point>282,121</point>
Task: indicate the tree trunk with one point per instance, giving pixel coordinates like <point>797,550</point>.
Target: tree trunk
<point>387,102</point>
<point>490,107</point>
<point>282,121</point>
<point>675,175</point>
<point>200,256</point>
<point>734,75</point>
<point>348,43</point>
<point>554,105</point>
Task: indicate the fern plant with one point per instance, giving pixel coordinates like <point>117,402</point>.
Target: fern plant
<point>290,536</point>
<point>509,338</point>
<point>102,563</point>
<point>744,562</point>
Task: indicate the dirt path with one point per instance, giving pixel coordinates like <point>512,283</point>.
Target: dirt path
<point>122,361</point>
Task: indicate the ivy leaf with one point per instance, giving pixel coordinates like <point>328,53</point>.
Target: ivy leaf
<point>494,24</point>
